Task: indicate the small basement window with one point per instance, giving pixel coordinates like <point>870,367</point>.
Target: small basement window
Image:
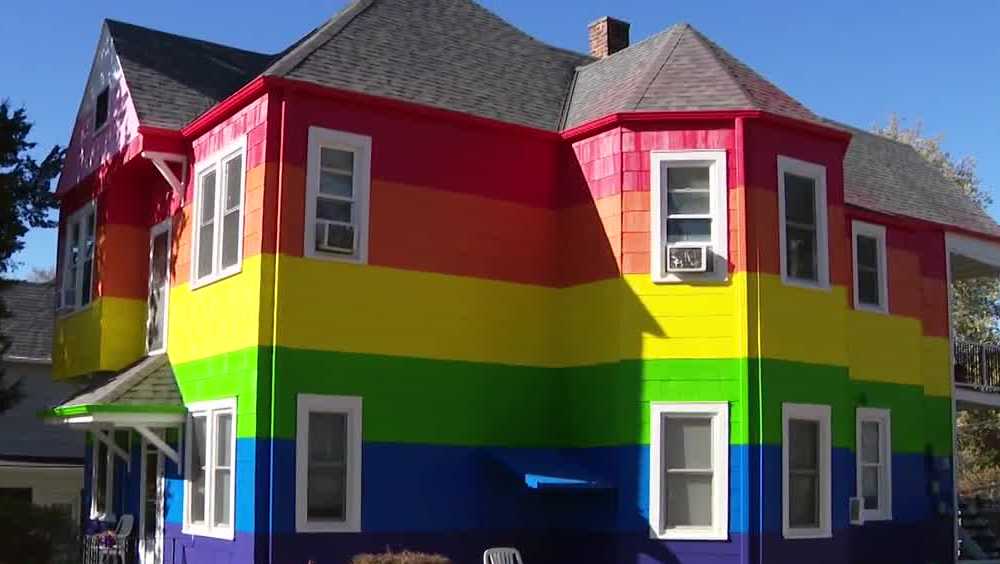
<point>101,108</point>
<point>871,290</point>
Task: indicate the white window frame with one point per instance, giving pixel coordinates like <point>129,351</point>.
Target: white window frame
<point>876,232</point>
<point>718,212</point>
<point>718,413</point>
<point>78,217</point>
<point>818,174</point>
<point>158,229</point>
<point>821,415</point>
<point>216,163</point>
<point>351,406</point>
<point>108,513</point>
<point>210,409</point>
<point>361,146</point>
<point>884,420</point>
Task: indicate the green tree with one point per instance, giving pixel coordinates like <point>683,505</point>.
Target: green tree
<point>975,312</point>
<point>26,201</point>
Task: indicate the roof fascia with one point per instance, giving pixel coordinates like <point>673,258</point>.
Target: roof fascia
<point>913,223</point>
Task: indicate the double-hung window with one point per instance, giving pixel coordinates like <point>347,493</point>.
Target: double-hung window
<point>805,484</point>
<point>328,464</point>
<point>338,183</point>
<point>871,289</point>
<point>689,459</point>
<point>874,458</point>
<point>78,258</point>
<point>805,257</point>
<point>102,476</point>
<point>209,469</point>
<point>218,216</point>
<point>688,208</point>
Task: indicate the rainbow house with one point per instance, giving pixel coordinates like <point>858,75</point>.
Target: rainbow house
<point>422,281</point>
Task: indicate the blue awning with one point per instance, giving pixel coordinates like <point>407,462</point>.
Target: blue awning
<point>543,469</point>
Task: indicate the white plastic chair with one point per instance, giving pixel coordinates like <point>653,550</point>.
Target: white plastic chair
<point>502,555</point>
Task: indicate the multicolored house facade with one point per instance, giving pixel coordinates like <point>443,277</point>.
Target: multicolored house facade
<point>421,281</point>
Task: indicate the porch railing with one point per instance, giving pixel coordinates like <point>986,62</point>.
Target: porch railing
<point>978,366</point>
<point>101,549</point>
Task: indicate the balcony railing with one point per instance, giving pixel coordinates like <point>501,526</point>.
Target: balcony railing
<point>977,366</point>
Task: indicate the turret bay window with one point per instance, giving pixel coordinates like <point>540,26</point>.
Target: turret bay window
<point>871,289</point>
<point>689,471</point>
<point>803,217</point>
<point>337,195</point>
<point>78,241</point>
<point>806,482</point>
<point>688,214</point>
<point>328,464</point>
<point>209,469</point>
<point>218,217</point>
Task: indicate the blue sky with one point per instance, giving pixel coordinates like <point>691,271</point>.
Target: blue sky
<point>855,61</point>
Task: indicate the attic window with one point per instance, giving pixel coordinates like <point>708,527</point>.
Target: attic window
<point>101,109</point>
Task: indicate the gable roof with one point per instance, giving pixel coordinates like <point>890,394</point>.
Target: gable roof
<point>174,79</point>
<point>146,384</point>
<point>891,177</point>
<point>32,317</point>
<point>454,55</point>
<point>678,69</point>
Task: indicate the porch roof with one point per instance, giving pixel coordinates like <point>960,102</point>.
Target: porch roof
<point>145,390</point>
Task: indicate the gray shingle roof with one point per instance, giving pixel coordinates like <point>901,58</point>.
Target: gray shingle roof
<point>451,54</point>
<point>676,69</point>
<point>149,381</point>
<point>174,79</point>
<point>893,178</point>
<point>32,318</point>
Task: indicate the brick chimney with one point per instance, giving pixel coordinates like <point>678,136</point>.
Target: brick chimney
<point>607,36</point>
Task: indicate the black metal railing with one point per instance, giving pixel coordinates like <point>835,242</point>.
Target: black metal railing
<point>978,366</point>
<point>102,548</point>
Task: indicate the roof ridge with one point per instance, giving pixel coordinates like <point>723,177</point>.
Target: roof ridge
<point>715,49</point>
<point>316,38</point>
<point>617,54</point>
<point>651,75</point>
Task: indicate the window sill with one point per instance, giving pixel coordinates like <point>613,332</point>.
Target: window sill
<point>334,257</point>
<point>97,132</point>
<point>873,516</point>
<point>65,312</point>
<point>690,278</point>
<point>212,279</point>
<point>224,534</point>
<point>797,534</point>
<point>805,284</point>
<point>314,527</point>
<point>693,533</point>
<point>871,309</point>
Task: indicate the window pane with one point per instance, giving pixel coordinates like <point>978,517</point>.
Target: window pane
<point>688,442</point>
<point>689,500</point>
<point>221,494</point>
<point>327,474</point>
<point>686,177</point>
<point>101,108</point>
<point>800,199</point>
<point>339,238</point>
<point>207,198</point>
<point>803,445</point>
<point>803,500</point>
<point>333,210</point>
<point>100,478</point>
<point>336,158</point>
<point>234,173</point>
<point>868,287</point>
<point>86,284</point>
<point>694,230</point>
<point>223,439</point>
<point>197,479</point>
<point>206,234</point>
<point>800,255</point>
<point>336,184</point>
<point>867,249</point>
<point>74,248</point>
<point>230,239</point>
<point>869,442</point>
<point>869,486</point>
<point>688,203</point>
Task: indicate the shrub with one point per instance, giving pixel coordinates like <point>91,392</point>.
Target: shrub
<point>405,557</point>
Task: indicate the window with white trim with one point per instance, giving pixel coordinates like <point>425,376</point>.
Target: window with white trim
<point>871,288</point>
<point>338,183</point>
<point>210,469</point>
<point>217,247</point>
<point>806,458</point>
<point>802,214</point>
<point>874,459</point>
<point>689,471</point>
<point>689,207</point>
<point>102,482</point>
<point>328,464</point>
<point>79,241</point>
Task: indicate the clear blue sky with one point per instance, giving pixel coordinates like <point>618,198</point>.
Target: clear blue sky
<point>855,61</point>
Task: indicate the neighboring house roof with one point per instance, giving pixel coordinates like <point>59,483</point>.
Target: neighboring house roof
<point>678,69</point>
<point>32,317</point>
<point>457,55</point>
<point>174,79</point>
<point>146,385</point>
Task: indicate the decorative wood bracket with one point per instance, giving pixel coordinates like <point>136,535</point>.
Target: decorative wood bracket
<point>159,443</point>
<point>107,438</point>
<point>161,162</point>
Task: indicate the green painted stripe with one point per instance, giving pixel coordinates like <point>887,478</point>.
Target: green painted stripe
<point>224,376</point>
<point>89,409</point>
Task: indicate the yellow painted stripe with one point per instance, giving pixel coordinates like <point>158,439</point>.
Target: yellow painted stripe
<point>106,335</point>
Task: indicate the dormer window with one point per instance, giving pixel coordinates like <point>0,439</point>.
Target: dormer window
<point>101,108</point>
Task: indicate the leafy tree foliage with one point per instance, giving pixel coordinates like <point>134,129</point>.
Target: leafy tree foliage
<point>25,202</point>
